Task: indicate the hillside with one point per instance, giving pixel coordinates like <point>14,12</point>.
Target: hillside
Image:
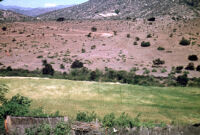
<point>116,44</point>
<point>6,15</point>
<point>98,9</point>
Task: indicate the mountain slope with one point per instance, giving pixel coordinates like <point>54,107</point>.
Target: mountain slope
<point>6,15</point>
<point>32,11</point>
<point>97,9</point>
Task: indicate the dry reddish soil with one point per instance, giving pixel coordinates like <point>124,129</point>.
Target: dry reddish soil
<point>63,42</point>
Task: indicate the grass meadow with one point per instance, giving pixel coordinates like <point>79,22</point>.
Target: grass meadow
<point>157,104</point>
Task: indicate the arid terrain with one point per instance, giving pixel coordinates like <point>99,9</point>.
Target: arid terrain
<point>114,44</point>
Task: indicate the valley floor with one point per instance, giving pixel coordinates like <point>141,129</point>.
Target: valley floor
<point>158,104</point>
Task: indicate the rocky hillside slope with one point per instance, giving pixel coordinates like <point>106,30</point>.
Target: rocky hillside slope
<point>6,15</point>
<point>98,9</point>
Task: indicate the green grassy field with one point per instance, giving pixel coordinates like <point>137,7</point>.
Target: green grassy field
<point>157,104</point>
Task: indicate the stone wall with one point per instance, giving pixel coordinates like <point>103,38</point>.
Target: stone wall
<point>19,124</point>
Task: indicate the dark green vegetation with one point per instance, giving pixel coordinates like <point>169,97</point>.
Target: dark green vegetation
<point>145,44</point>
<point>79,72</point>
<point>184,42</point>
<point>193,58</point>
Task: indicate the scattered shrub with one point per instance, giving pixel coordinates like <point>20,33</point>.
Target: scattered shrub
<point>13,40</point>
<point>193,58</point>
<point>83,50</point>
<point>198,68</point>
<point>93,29</point>
<point>160,48</point>
<point>158,62</point>
<point>154,70</point>
<point>145,44</point>
<point>117,11</point>
<point>93,47</point>
<point>179,69</point>
<point>39,57</point>
<point>152,19</point>
<point>163,70</point>
<point>4,28</point>
<point>115,33</point>
<point>190,66</point>
<point>61,19</point>
<point>77,64</point>
<point>135,43</point>
<point>184,42</point>
<point>62,66</point>
<point>128,35</point>
<point>137,39</point>
<point>89,35</point>
<point>149,36</point>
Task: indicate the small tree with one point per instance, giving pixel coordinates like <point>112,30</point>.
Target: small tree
<point>182,79</point>
<point>117,11</point>
<point>47,69</point>
<point>190,66</point>
<point>77,64</point>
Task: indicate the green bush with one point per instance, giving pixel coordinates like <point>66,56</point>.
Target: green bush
<point>123,120</point>
<point>182,80</point>
<point>61,128</point>
<point>193,58</point>
<point>3,91</point>
<point>184,42</point>
<point>145,44</point>
<point>158,62</point>
<point>160,48</point>
<point>86,117</point>
<point>109,120</point>
<point>154,70</point>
